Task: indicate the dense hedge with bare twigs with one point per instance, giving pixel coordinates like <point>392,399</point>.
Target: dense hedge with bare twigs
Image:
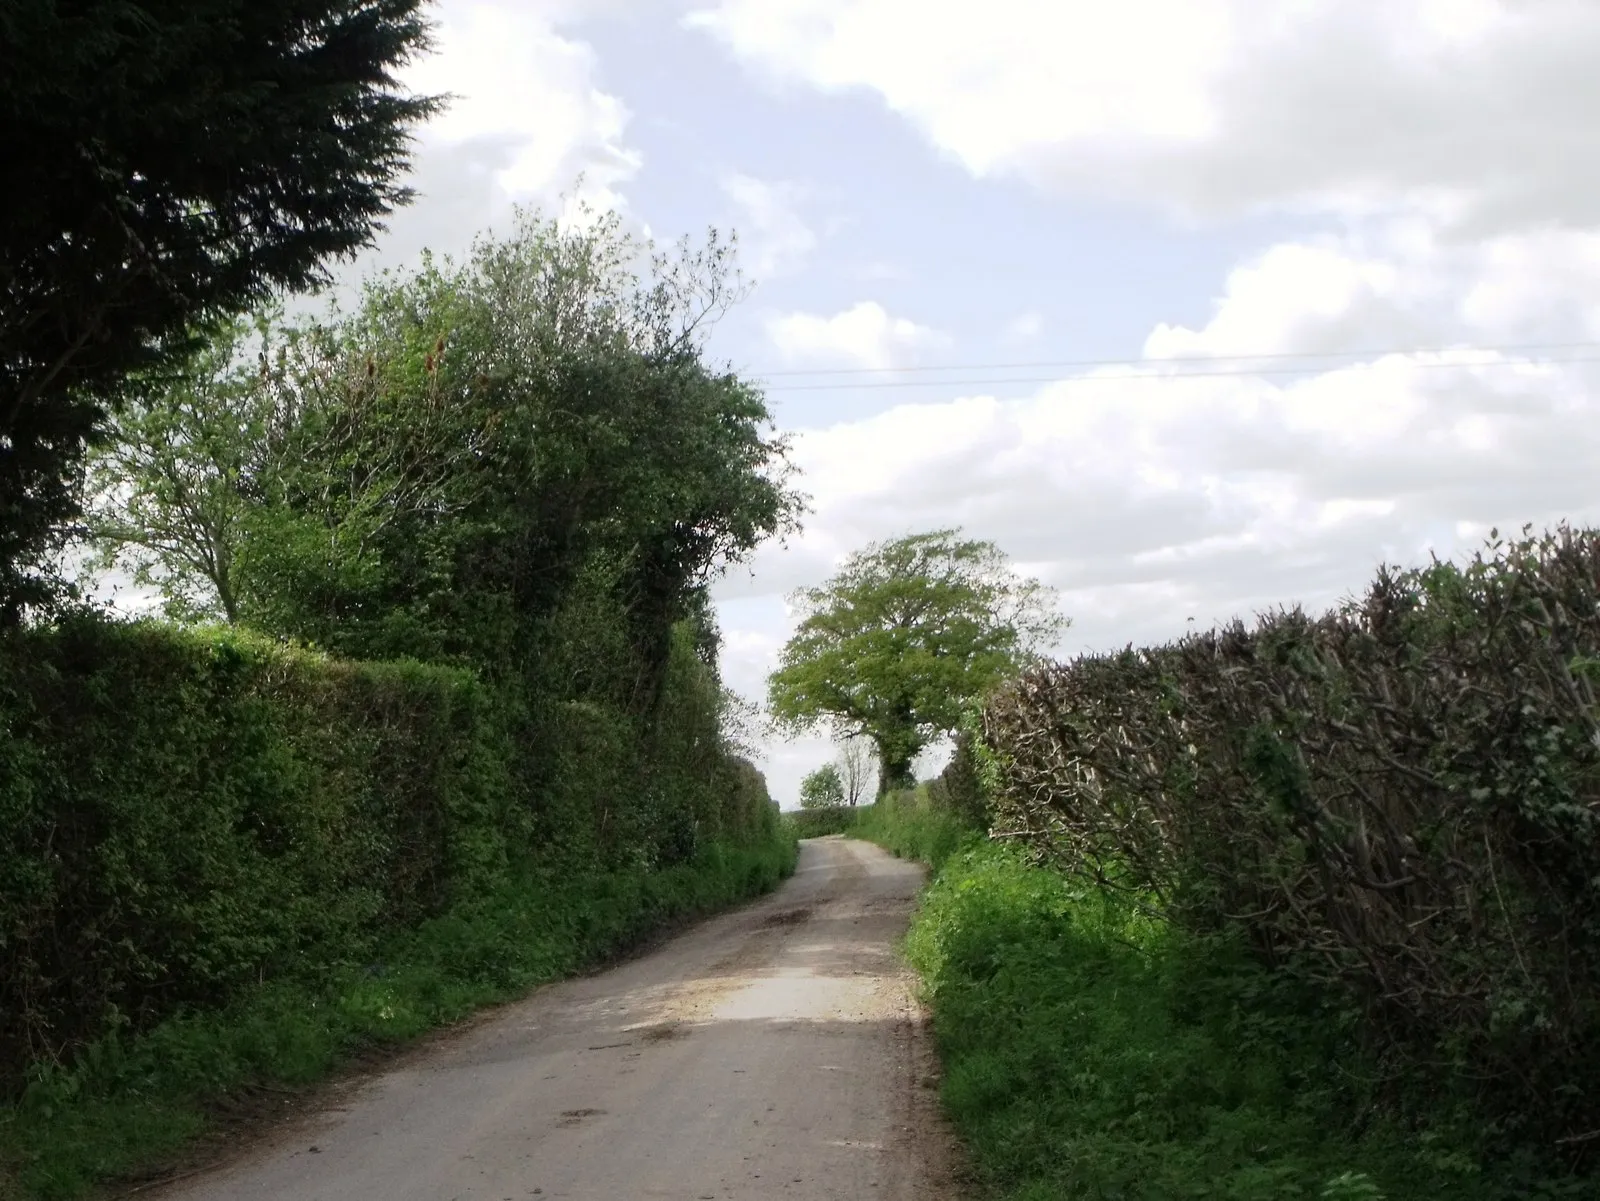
<point>1400,799</point>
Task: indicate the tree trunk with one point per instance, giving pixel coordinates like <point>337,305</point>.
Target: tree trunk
<point>894,772</point>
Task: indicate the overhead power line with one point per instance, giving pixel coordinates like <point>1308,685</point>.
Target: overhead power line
<point>1153,368</point>
<point>1154,362</point>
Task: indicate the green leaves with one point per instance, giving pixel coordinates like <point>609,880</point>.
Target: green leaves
<point>822,788</point>
<point>172,484</point>
<point>1091,1052</point>
<point>212,808</point>
<point>904,637</point>
<point>429,474</point>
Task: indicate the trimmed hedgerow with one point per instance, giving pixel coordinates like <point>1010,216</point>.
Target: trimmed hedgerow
<point>1397,802</point>
<point>191,812</point>
<point>231,862</point>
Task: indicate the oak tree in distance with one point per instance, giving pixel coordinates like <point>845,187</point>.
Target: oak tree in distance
<point>903,638</point>
<point>822,789</point>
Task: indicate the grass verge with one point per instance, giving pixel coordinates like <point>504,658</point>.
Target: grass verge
<point>906,825</point>
<point>127,1107</point>
<point>1093,1052</point>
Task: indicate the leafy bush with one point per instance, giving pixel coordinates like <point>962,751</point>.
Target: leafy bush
<point>191,812</point>
<point>912,825</point>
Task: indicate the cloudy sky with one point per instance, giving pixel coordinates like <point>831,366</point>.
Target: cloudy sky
<point>1194,306</point>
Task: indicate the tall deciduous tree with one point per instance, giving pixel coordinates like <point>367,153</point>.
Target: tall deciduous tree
<point>555,386</point>
<point>907,634</point>
<point>170,489</point>
<point>427,475</point>
<point>169,163</point>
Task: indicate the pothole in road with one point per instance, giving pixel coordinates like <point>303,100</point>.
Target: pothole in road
<point>663,1032</point>
<point>571,1117</point>
<point>787,917</point>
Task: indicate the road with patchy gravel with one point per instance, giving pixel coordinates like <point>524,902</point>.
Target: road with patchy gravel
<point>772,1052</point>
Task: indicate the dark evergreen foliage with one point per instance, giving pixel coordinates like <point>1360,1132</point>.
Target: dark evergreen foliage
<point>167,163</point>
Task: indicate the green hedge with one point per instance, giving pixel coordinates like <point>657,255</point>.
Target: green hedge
<point>191,812</point>
<point>229,861</point>
<point>1398,802</point>
<point>816,823</point>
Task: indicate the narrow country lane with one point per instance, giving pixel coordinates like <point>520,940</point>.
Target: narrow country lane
<point>772,1052</point>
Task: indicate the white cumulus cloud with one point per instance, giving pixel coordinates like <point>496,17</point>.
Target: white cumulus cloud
<point>864,335</point>
<point>774,236</point>
<point>527,120</point>
<point>1467,109</point>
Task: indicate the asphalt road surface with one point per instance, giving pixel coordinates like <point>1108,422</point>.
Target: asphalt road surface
<point>772,1052</point>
